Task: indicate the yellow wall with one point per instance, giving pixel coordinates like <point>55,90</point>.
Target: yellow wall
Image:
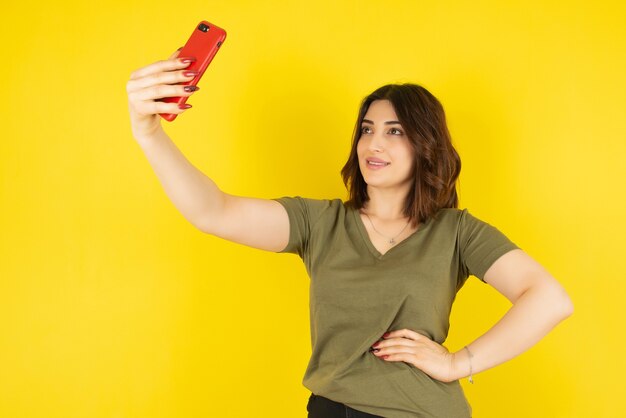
<point>113,305</point>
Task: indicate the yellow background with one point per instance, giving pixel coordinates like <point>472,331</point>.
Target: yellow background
<point>113,305</point>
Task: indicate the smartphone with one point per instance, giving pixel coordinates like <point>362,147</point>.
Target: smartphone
<point>204,42</point>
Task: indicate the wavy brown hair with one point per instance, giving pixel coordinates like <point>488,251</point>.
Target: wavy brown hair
<point>436,164</point>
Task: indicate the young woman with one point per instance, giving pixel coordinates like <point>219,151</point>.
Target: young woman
<point>385,266</point>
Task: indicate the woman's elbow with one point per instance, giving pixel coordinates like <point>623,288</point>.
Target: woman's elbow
<point>565,302</point>
<point>556,296</point>
<point>568,307</point>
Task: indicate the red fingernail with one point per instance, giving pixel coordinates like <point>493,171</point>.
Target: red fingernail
<point>385,357</point>
<point>187,59</point>
<point>190,73</point>
<point>184,106</point>
<point>376,344</point>
<point>386,334</point>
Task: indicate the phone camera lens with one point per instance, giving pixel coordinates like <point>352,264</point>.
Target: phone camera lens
<point>203,27</point>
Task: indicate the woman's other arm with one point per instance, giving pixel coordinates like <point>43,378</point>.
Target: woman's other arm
<point>539,304</point>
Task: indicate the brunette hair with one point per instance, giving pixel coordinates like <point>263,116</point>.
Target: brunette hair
<point>436,164</point>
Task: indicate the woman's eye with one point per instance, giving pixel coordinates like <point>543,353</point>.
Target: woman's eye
<point>392,129</point>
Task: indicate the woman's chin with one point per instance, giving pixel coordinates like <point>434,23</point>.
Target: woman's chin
<point>376,182</point>
<point>385,184</point>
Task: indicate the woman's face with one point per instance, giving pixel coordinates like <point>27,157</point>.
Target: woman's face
<point>383,138</point>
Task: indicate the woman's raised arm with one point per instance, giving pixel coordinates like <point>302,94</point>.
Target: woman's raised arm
<point>258,223</point>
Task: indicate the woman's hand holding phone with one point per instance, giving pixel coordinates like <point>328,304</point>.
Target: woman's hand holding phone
<point>155,81</point>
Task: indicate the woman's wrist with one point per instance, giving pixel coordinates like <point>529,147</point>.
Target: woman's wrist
<point>146,140</point>
<point>462,364</point>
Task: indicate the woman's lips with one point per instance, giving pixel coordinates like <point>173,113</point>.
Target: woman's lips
<point>376,164</point>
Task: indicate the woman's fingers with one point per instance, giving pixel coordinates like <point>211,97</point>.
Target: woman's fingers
<point>152,79</point>
<point>158,67</point>
<point>151,108</point>
<point>161,91</point>
<point>161,78</point>
<point>395,342</point>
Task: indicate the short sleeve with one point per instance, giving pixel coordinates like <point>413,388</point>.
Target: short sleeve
<point>303,214</point>
<point>480,245</point>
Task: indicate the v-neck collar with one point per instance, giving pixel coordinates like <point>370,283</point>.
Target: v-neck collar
<point>368,242</point>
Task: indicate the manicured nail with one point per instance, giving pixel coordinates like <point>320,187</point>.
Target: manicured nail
<point>386,334</point>
<point>187,59</point>
<point>190,73</point>
<point>385,357</point>
<point>184,106</point>
<point>191,88</point>
<point>376,344</point>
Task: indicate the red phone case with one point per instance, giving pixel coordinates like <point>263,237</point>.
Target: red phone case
<point>202,45</point>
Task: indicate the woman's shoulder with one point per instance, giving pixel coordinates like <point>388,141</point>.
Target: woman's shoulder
<point>448,217</point>
<point>449,213</point>
<point>315,202</point>
<point>460,219</point>
<point>314,208</point>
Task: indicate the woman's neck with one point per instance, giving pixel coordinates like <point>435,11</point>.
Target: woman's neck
<point>385,205</point>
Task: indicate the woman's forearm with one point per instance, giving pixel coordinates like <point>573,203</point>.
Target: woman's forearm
<point>532,316</point>
<point>195,195</point>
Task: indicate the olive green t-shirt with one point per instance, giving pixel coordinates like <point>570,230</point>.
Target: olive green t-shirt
<point>357,294</point>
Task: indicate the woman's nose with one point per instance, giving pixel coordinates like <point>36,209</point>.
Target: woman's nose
<point>376,144</point>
